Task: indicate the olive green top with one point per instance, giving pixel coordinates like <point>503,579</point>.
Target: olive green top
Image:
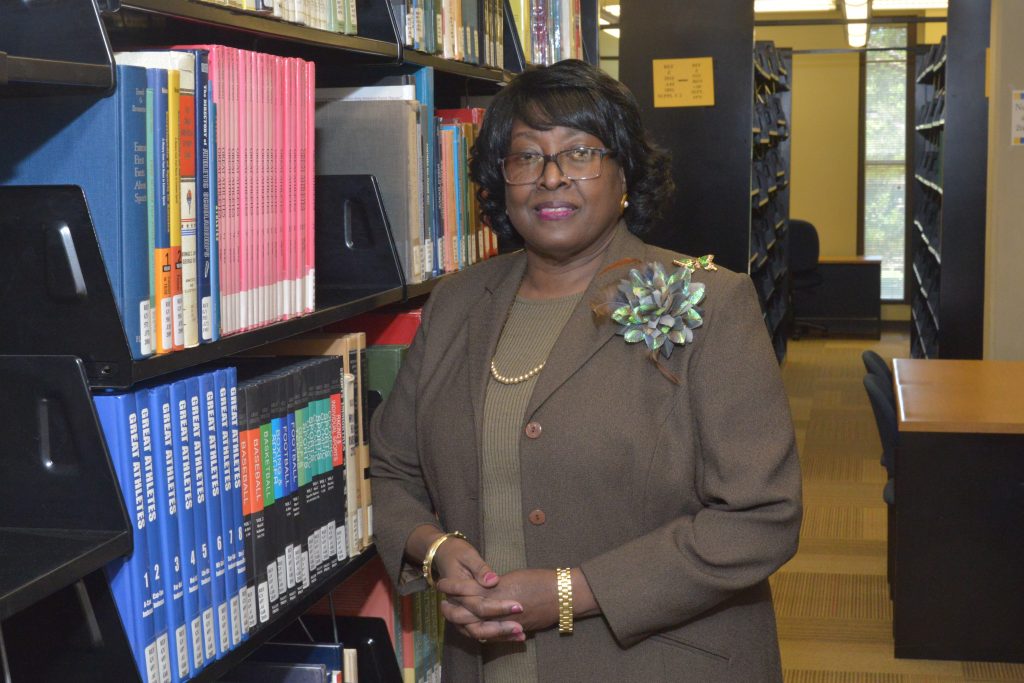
<point>526,340</point>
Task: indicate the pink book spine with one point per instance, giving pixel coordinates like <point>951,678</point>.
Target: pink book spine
<point>283,273</point>
<point>234,194</point>
<point>257,249</point>
<point>244,263</point>
<point>294,113</point>
<point>230,177</point>
<point>294,187</point>
<point>287,175</point>
<point>267,126</point>
<point>270,268</point>
<point>310,187</point>
<point>267,227</point>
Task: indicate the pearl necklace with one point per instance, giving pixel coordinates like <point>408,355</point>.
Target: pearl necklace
<point>518,378</point>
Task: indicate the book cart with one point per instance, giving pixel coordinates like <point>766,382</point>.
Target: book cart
<point>62,518</point>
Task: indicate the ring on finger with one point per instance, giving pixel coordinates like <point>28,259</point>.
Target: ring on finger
<point>482,641</point>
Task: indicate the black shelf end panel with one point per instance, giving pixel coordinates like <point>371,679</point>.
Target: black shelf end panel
<point>40,562</point>
<point>57,299</point>
<point>77,635</point>
<point>51,47</point>
<point>63,515</point>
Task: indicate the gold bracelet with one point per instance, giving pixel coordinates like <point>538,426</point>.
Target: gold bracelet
<point>564,600</point>
<point>428,561</point>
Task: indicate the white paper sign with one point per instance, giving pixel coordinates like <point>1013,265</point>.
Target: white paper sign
<point>1017,118</point>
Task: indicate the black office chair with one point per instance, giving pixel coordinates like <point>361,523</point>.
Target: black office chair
<point>880,396</point>
<point>804,276</point>
<point>876,365</point>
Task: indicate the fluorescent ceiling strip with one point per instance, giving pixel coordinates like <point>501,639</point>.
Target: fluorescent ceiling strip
<point>613,32</point>
<point>794,5</point>
<point>612,10</point>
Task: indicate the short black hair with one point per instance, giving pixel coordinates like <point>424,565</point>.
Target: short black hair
<point>573,94</point>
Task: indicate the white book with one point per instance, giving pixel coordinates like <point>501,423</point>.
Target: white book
<point>368,92</point>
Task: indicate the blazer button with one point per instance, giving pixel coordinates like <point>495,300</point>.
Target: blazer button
<point>537,517</point>
<point>533,430</point>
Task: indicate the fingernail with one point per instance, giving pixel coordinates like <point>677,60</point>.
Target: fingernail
<point>516,609</point>
<point>517,629</point>
<point>521,637</point>
<point>490,576</point>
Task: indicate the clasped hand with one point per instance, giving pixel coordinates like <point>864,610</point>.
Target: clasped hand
<point>487,607</point>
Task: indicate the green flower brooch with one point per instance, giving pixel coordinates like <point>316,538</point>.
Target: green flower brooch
<point>660,309</point>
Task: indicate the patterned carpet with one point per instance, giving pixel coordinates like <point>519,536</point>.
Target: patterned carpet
<point>832,602</point>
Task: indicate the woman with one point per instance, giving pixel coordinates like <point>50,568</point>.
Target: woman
<point>618,518</point>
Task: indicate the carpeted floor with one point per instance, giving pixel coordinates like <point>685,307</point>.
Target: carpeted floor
<point>832,602</point>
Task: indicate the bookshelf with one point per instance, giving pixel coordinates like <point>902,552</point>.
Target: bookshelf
<point>769,189</point>
<point>719,207</point>
<point>946,235</point>
<point>63,515</point>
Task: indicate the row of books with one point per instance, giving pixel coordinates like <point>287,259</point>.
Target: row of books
<point>198,173</point>
<point>549,30</point>
<point>239,494</point>
<point>420,157</point>
<point>464,30</point>
<point>337,16</point>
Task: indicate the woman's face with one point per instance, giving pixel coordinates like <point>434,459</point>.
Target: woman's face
<point>560,218</point>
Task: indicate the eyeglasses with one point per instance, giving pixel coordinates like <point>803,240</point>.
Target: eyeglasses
<point>577,163</point>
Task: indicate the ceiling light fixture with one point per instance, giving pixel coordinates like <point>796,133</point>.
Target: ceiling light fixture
<point>887,5</point>
<point>794,5</point>
<point>613,32</point>
<point>855,10</point>
<point>857,35</point>
<point>613,10</point>
<point>603,21</point>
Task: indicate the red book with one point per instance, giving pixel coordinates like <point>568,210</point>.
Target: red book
<point>396,327</point>
<point>474,115</point>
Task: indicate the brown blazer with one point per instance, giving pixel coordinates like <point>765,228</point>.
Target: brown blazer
<point>678,501</point>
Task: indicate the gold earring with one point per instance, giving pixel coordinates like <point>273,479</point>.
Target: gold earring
<point>623,203</point>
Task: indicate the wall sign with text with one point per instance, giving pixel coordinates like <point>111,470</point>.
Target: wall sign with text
<point>684,82</point>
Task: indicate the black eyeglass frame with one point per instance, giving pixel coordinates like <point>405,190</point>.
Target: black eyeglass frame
<point>553,158</point>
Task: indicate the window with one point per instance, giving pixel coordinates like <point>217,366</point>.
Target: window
<point>885,135</point>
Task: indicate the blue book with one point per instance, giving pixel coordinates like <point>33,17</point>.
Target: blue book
<point>282,543</point>
<point>424,79</point>
<point>461,243</point>
<point>246,597</point>
<point>187,522</point>
<point>152,159</point>
<point>197,416</point>
<point>129,576</point>
<point>227,498</point>
<point>297,534</point>
<point>162,425</point>
<point>148,449</point>
<point>214,516</point>
<point>108,138</point>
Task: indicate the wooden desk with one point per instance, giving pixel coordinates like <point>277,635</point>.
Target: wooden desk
<point>849,298</point>
<point>960,396</point>
<point>959,585</point>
